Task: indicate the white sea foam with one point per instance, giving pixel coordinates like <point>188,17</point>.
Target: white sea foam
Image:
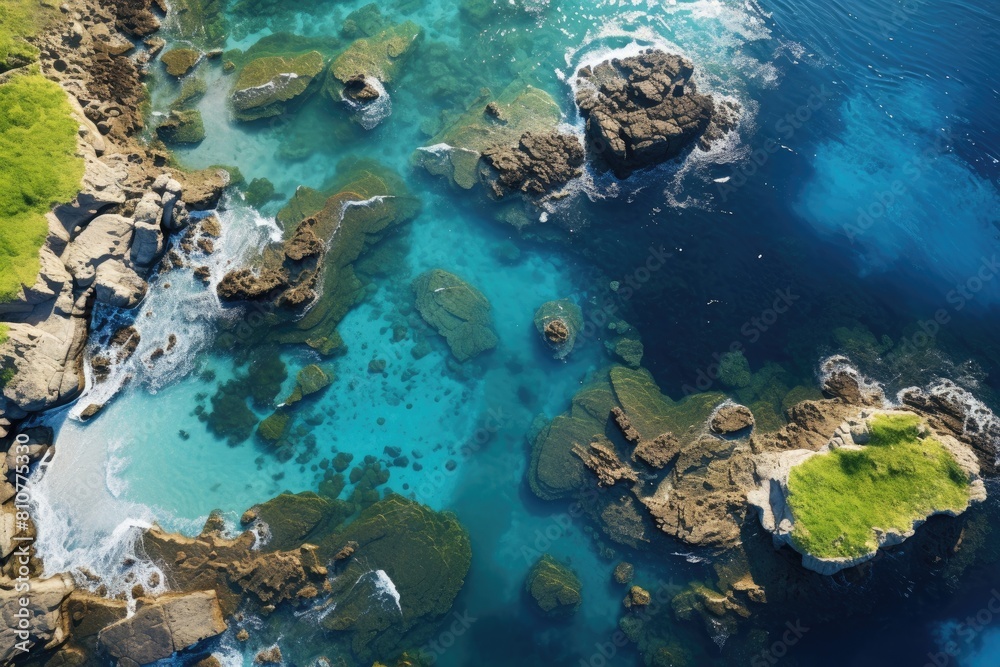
<point>370,114</point>
<point>386,588</point>
<point>186,310</point>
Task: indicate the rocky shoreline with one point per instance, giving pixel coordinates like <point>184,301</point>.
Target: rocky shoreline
<point>100,249</point>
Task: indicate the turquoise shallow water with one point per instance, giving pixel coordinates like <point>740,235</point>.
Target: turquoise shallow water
<point>790,220</point>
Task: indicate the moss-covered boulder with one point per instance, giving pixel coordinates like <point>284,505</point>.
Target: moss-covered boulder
<point>179,62</point>
<point>266,86</point>
<point>489,122</point>
<point>273,428</point>
<point>556,472</point>
<point>183,126</point>
<point>554,587</point>
<point>310,380</point>
<point>292,517</point>
<point>317,265</point>
<point>457,311</point>
<point>407,567</point>
<point>259,192</point>
<point>559,323</point>
<point>379,57</point>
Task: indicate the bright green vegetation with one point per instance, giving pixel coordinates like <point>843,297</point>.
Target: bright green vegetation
<point>38,167</point>
<point>839,499</point>
<point>4,331</point>
<point>20,19</point>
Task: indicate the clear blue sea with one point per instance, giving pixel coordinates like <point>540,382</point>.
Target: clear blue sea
<point>863,182</point>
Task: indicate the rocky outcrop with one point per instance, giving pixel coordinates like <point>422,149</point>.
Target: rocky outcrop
<point>310,277</point>
<point>509,142</point>
<point>731,418</point>
<point>101,258</point>
<point>266,86</point>
<point>559,323</point>
<point>646,109</point>
<point>554,587</point>
<point>457,311</point>
<point>771,496</point>
<point>162,627</point>
<point>101,245</point>
<point>537,165</point>
<point>44,616</point>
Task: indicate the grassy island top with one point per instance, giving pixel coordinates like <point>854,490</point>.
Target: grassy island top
<point>839,499</point>
<point>38,167</point>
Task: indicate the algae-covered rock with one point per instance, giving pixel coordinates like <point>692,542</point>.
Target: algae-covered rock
<point>290,517</point>
<point>200,21</point>
<point>179,62</point>
<point>457,311</point>
<point>490,122</point>
<point>364,22</point>
<point>183,126</point>
<point>266,86</point>
<point>559,323</point>
<point>629,349</point>
<point>378,57</point>
<point>554,587</point>
<point>310,380</point>
<point>260,191</point>
<point>273,428</point>
<point>555,472</point>
<point>192,90</point>
<point>408,566</point>
<point>314,268</point>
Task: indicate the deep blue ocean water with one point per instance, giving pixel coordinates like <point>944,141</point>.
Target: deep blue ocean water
<point>863,185</point>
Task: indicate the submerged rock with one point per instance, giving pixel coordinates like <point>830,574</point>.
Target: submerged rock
<point>559,323</point>
<point>554,587</point>
<point>457,311</point>
<point>182,127</point>
<point>646,109</point>
<point>266,86</point>
<point>380,57</point>
<point>519,128</point>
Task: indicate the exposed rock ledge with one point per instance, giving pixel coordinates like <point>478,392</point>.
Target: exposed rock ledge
<point>646,109</point>
<point>770,498</point>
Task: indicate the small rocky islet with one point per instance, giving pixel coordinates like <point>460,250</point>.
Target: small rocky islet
<point>777,484</point>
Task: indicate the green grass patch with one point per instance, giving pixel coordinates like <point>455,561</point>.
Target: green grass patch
<point>4,331</point>
<point>20,19</point>
<point>838,499</point>
<point>38,167</point>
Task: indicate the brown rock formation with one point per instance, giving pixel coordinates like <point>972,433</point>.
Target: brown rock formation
<point>538,165</point>
<point>731,418</point>
<point>601,458</point>
<point>646,109</point>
